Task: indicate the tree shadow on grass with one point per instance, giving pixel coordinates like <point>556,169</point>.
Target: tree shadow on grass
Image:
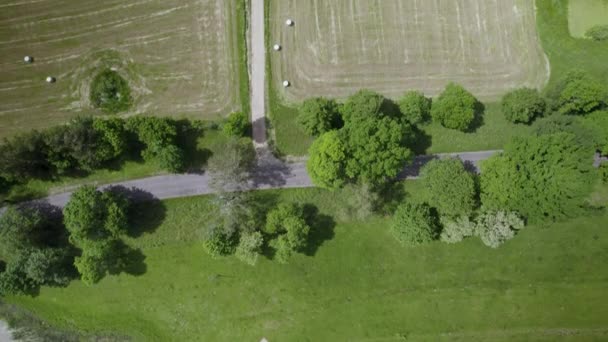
<point>321,229</point>
<point>189,132</point>
<point>146,212</point>
<point>478,119</point>
<point>420,141</point>
<point>129,260</point>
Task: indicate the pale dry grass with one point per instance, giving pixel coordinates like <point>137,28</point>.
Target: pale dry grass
<point>337,47</point>
<point>179,56</point>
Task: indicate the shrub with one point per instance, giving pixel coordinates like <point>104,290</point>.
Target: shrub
<point>415,107</point>
<point>597,33</point>
<point>361,105</point>
<point>218,244</point>
<point>159,135</point>
<point>319,115</point>
<point>578,94</point>
<point>523,105</point>
<point>237,125</point>
<point>543,178</point>
<point>457,230</point>
<point>327,162</point>
<point>414,224</point>
<point>250,247</point>
<point>287,223</point>
<point>451,187</point>
<point>110,92</point>
<point>454,108</point>
<point>597,122</point>
<point>495,228</point>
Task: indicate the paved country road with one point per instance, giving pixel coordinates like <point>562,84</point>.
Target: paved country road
<point>270,173</point>
<point>258,74</point>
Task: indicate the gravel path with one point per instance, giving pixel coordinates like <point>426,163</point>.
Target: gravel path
<point>258,74</point>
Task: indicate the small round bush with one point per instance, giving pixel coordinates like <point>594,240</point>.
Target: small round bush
<point>454,108</point>
<point>414,224</point>
<point>110,92</point>
<point>579,94</point>
<point>523,105</point>
<point>237,125</point>
<point>415,107</point>
<point>598,33</point>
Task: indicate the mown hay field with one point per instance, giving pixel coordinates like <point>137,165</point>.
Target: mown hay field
<point>337,47</point>
<point>178,55</point>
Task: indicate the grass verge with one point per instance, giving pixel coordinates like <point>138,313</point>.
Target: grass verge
<point>357,283</point>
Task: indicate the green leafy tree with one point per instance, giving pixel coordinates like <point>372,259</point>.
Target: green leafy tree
<point>48,266</point>
<point>114,137</point>
<point>362,105</point>
<point>545,177</point>
<point>286,222</point>
<point>598,33</point>
<point>327,162</point>
<point>14,279</point>
<point>415,107</point>
<point>217,242</point>
<point>319,115</point>
<point>376,148</point>
<point>597,123</point>
<point>414,224</point>
<point>523,105</point>
<point>110,92</point>
<point>250,247</point>
<point>237,125</point>
<point>95,221</point>
<point>456,230</point>
<point>495,228</point>
<point>19,230</point>
<point>450,186</point>
<point>159,135</point>
<point>578,94</point>
<point>454,108</point>
<point>23,157</point>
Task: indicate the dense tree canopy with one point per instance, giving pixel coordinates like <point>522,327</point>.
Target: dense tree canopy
<point>237,125</point>
<point>159,135</point>
<point>362,105</point>
<point>578,93</point>
<point>543,177</point>
<point>327,162</point>
<point>319,115</point>
<point>415,107</point>
<point>23,156</point>
<point>454,108</point>
<point>523,105</point>
<point>96,221</point>
<point>414,224</point>
<point>450,186</point>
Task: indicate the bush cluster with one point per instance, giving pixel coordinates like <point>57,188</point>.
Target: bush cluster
<point>110,92</point>
<point>86,144</point>
<point>597,33</point>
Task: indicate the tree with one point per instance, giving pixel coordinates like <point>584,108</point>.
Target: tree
<point>327,162</point>
<point>545,177</point>
<point>414,224</point>
<point>48,266</point>
<point>237,125</point>
<point>110,92</point>
<point>96,221</point>
<point>159,135</point>
<point>523,105</point>
<point>250,247</point>
<point>287,224</point>
<point>14,279</point>
<point>319,115</point>
<point>456,230</point>
<point>113,136</point>
<point>495,228</point>
<point>597,122</point>
<point>415,107</point>
<point>597,33</point>
<point>450,186</point>
<point>376,148</point>
<point>578,94</point>
<point>19,230</point>
<point>23,157</point>
<point>454,108</point>
<point>362,105</point>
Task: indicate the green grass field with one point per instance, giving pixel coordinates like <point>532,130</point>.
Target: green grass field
<point>547,284</point>
<point>565,53</point>
<point>181,58</point>
<point>584,14</point>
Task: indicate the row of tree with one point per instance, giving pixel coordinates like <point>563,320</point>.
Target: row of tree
<point>87,144</point>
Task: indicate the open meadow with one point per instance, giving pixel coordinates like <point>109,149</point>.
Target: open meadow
<point>584,14</point>
<point>179,56</point>
<point>338,47</point>
<point>354,283</point>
